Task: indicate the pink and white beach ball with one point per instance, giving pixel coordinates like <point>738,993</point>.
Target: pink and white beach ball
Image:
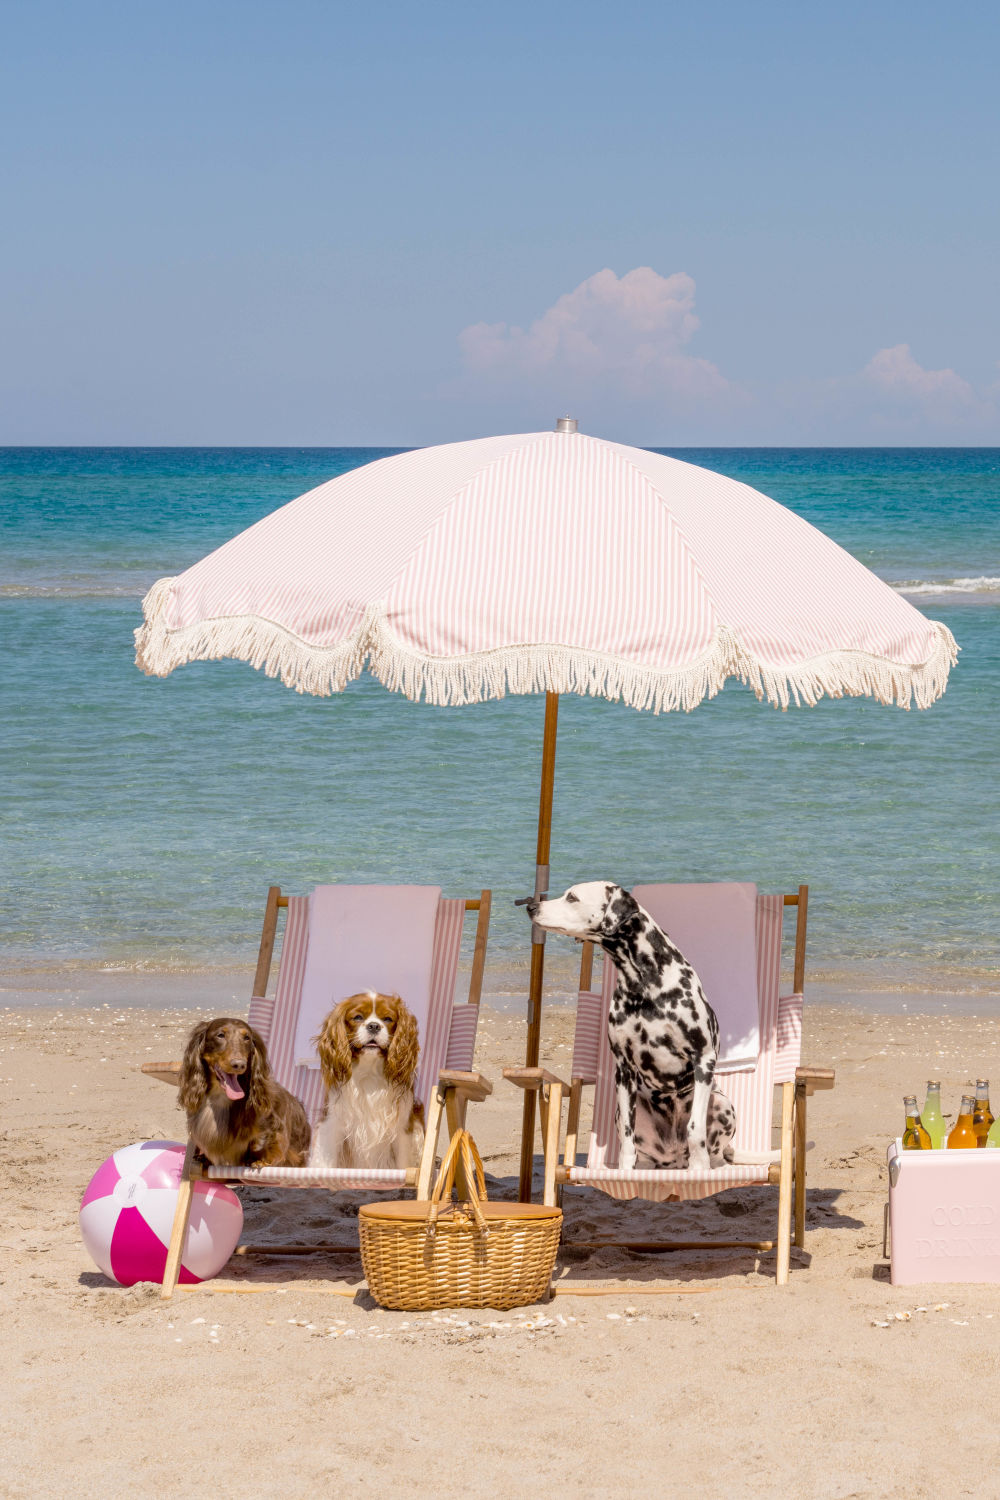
<point>128,1211</point>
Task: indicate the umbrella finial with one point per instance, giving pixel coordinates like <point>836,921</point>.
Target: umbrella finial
<point>566,424</point>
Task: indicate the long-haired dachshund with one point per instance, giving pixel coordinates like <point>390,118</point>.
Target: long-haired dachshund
<point>368,1050</point>
<point>238,1113</point>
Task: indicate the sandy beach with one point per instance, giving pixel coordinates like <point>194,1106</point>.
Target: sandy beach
<point>283,1376</point>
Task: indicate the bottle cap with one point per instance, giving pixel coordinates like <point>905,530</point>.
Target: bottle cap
<point>933,1083</point>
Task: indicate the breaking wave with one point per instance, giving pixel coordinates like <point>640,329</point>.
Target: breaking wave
<point>984,585</point>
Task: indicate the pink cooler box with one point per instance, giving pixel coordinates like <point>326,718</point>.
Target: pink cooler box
<point>944,1215</point>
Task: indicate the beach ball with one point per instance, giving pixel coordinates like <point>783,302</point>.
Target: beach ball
<point>127,1214</point>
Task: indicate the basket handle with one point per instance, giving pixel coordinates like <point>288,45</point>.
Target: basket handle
<point>461,1144</point>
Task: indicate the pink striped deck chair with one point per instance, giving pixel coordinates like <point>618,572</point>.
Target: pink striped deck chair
<point>445,1081</point>
<point>749,1081</point>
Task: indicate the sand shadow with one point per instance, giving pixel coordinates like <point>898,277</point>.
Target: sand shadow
<point>604,1239</point>
<point>300,1234</point>
<point>95,1281</point>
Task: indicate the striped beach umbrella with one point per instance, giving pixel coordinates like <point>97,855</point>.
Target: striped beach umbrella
<point>547,562</point>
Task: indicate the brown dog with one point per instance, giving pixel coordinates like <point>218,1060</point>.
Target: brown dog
<point>238,1113</point>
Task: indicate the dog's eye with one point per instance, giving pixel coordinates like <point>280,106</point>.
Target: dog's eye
<point>571,897</point>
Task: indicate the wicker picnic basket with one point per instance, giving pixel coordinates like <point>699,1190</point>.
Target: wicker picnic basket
<point>418,1256</point>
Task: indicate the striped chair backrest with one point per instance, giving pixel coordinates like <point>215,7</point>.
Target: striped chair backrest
<point>451,1030</point>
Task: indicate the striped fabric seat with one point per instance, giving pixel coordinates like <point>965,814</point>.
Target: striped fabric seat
<point>449,1042</point>
<point>750,1088</point>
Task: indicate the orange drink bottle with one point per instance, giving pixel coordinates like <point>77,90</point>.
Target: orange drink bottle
<point>931,1113</point>
<point>915,1137</point>
<point>961,1133</point>
<point>982,1115</point>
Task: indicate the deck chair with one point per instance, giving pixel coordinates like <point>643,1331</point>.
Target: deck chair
<point>732,936</point>
<point>317,969</point>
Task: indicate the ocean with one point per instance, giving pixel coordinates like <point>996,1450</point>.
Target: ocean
<point>143,819</point>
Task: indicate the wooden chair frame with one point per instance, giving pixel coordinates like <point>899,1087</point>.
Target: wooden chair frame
<point>449,1100</point>
<point>789,1173</point>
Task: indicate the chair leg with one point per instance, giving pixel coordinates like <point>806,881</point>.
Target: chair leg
<point>543,1113</point>
<point>455,1109</point>
<point>182,1218</point>
<point>573,1121</point>
<point>784,1247</point>
<point>552,1122</point>
<point>432,1128</point>
<point>572,1131</point>
<point>800,1164</point>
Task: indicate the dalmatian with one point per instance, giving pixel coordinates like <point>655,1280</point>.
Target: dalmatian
<point>664,1035</point>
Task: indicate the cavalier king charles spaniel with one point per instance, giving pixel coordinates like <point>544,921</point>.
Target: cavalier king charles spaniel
<point>368,1052</point>
<point>238,1113</point>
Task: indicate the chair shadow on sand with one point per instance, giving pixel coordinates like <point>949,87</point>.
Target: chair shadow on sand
<point>596,1248</point>
<point>604,1240</point>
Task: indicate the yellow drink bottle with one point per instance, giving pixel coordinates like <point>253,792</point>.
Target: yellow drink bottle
<point>931,1113</point>
<point>915,1137</point>
<point>961,1133</point>
<point>982,1115</point>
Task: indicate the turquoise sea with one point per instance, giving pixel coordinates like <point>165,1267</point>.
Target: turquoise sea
<point>143,819</point>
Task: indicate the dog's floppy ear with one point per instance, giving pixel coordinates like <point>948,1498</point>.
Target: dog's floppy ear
<point>621,907</point>
<point>193,1085</point>
<point>334,1047</point>
<point>258,1090</point>
<point>404,1049</point>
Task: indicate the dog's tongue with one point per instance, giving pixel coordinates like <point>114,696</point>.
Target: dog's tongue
<point>230,1083</point>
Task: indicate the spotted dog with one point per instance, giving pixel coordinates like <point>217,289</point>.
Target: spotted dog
<point>664,1035</point>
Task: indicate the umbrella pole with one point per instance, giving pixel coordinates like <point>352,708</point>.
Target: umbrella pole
<point>538,937</point>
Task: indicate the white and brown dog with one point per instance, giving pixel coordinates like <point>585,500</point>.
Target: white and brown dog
<point>663,1033</point>
<point>368,1049</point>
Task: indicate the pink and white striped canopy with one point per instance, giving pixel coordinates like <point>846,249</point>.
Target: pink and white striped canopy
<point>546,561</point>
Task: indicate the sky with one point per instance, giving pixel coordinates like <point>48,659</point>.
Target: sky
<point>322,223</point>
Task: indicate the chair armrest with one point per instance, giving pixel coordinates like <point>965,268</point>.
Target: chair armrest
<point>815,1078</point>
<point>165,1072</point>
<point>468,1085</point>
<point>532,1078</point>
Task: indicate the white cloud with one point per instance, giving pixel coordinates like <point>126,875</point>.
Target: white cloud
<point>895,374</point>
<point>631,332</point>
<point>892,400</point>
<point>895,399</point>
<point>616,352</point>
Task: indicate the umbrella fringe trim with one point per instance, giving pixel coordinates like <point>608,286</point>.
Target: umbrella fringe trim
<point>522,669</point>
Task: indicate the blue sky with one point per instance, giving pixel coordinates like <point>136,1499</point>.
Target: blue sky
<point>322,223</point>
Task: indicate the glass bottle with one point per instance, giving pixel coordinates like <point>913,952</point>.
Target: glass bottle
<point>982,1115</point>
<point>962,1133</point>
<point>993,1139</point>
<point>931,1113</point>
<point>915,1137</point>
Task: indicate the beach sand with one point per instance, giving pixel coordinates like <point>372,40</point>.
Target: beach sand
<point>726,1385</point>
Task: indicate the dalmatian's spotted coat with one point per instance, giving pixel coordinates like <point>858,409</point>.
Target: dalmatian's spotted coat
<point>664,1035</point>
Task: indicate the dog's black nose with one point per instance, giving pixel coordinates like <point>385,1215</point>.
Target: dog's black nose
<point>374,1026</point>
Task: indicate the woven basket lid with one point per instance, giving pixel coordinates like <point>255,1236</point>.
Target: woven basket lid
<point>408,1211</point>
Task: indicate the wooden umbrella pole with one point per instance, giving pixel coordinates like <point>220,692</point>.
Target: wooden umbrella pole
<point>538,937</point>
